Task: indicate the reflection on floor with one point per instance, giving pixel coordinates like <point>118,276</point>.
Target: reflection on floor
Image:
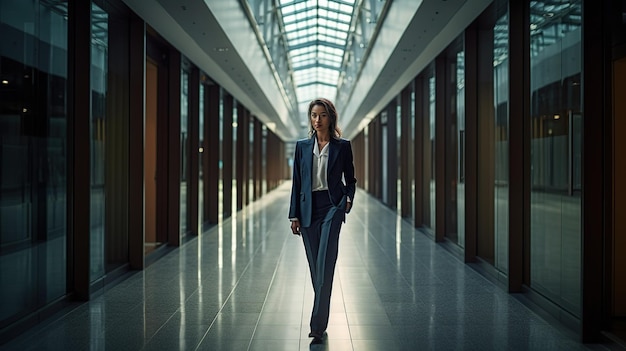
<point>244,285</point>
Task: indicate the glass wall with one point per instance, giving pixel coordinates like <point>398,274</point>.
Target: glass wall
<point>109,140</point>
<point>501,135</point>
<point>460,149</point>
<point>555,129</point>
<point>427,111</point>
<point>455,143</point>
<point>33,155</point>
<point>201,150</point>
<point>221,154</point>
<point>235,153</point>
<point>412,146</point>
<point>493,136</point>
<point>97,125</point>
<point>431,93</point>
<point>184,150</point>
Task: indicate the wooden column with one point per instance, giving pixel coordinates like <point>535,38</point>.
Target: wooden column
<point>241,157</point>
<point>377,158</point>
<point>194,155</point>
<point>392,155</point>
<point>596,163</point>
<point>440,147</point>
<point>173,151</point>
<point>253,159</point>
<point>212,158</point>
<point>269,160</point>
<point>136,230</point>
<point>258,162</point>
<point>227,154</point>
<point>370,158</point>
<point>406,153</point>
<point>358,149</point>
<point>79,191</point>
<point>247,157</point>
<point>421,139</point>
<point>471,142</point>
<point>519,150</point>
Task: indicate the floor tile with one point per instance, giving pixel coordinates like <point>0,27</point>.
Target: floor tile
<point>244,284</point>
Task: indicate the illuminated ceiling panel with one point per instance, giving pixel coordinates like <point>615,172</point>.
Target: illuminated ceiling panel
<point>317,34</point>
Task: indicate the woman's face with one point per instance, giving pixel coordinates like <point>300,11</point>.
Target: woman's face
<point>320,120</point>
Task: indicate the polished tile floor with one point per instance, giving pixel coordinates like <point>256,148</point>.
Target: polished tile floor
<point>244,285</point>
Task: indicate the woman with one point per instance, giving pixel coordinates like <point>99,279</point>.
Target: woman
<point>319,201</point>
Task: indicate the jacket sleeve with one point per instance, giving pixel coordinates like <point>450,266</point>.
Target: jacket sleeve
<point>348,172</point>
<point>294,207</point>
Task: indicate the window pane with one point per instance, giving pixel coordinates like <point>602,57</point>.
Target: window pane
<point>33,155</point>
<point>493,136</point>
<point>555,232</point>
<point>184,151</point>
<point>455,143</point>
<point>501,123</point>
<point>97,125</point>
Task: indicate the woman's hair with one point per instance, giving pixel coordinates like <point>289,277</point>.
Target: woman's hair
<point>335,132</point>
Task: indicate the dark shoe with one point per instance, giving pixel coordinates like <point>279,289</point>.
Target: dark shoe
<point>316,335</point>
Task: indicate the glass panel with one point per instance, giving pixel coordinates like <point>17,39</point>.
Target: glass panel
<point>184,151</point>
<point>221,153</point>
<point>555,227</point>
<point>150,168</point>
<point>236,153</point>
<point>501,123</point>
<point>428,148</point>
<point>33,155</point>
<point>398,141</point>
<point>97,125</point>
<point>431,156</point>
<point>115,24</point>
<point>455,147</point>
<point>493,129</point>
<point>460,161</point>
<point>201,158</point>
<point>413,146</point>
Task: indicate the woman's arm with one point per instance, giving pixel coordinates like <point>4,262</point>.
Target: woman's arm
<point>294,207</point>
<point>348,172</point>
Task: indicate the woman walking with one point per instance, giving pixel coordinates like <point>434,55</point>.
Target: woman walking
<point>322,193</point>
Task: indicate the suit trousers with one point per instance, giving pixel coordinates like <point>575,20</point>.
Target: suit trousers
<point>321,242</point>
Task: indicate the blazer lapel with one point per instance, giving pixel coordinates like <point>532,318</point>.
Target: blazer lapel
<point>333,153</point>
<point>307,156</point>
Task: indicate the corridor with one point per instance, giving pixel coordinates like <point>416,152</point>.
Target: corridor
<point>244,285</point>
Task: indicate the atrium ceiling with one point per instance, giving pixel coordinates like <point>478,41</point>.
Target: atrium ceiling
<point>317,34</point>
<point>274,56</point>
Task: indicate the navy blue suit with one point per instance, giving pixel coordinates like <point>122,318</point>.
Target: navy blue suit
<point>340,167</point>
<point>321,214</point>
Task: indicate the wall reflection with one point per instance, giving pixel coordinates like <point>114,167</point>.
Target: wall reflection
<point>33,155</point>
<point>556,141</point>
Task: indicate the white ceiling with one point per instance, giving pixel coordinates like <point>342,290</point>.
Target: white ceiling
<point>217,36</point>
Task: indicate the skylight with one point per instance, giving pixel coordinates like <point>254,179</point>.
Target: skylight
<point>317,34</point>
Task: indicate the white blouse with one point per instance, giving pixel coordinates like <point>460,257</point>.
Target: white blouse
<point>320,164</point>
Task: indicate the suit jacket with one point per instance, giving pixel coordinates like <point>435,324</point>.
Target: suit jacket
<point>340,177</point>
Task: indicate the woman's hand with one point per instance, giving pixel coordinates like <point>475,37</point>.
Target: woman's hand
<point>348,206</point>
<point>295,227</point>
